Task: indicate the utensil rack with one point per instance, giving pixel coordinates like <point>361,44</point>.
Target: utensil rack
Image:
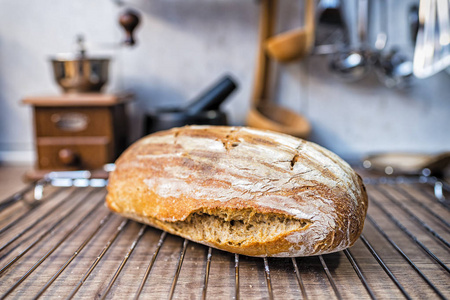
<point>64,242</point>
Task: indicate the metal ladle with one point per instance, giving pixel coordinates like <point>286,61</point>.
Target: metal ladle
<point>354,64</point>
<point>393,68</point>
<point>331,33</point>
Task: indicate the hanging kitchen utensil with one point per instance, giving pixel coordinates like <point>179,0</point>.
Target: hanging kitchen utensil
<point>355,63</point>
<point>413,22</point>
<point>331,32</point>
<point>382,34</point>
<point>294,44</point>
<point>392,68</point>
<point>262,114</point>
<point>432,51</point>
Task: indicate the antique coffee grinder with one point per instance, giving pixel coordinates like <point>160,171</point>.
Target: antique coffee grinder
<point>82,128</point>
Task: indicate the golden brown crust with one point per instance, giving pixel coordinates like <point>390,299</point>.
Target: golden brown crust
<point>168,176</point>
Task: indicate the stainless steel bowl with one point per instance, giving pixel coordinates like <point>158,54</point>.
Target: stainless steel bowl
<point>80,74</point>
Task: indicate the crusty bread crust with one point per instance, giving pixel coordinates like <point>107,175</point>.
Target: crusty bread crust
<point>303,199</point>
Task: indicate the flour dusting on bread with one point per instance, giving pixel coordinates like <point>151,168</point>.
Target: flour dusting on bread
<point>167,178</point>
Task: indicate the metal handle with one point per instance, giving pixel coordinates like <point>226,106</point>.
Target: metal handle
<point>381,41</point>
<point>363,12</point>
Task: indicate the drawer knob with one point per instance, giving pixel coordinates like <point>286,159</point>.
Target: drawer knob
<point>68,157</point>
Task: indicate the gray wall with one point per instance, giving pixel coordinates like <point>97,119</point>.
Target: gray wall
<point>184,45</point>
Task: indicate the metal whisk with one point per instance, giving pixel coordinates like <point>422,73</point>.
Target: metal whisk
<point>432,51</point>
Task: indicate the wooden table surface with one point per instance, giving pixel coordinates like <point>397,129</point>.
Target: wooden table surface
<point>11,178</point>
<point>72,217</point>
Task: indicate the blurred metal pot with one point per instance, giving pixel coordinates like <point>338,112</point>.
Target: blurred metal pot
<point>80,74</point>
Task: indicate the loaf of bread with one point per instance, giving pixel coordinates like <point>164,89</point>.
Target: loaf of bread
<point>241,190</point>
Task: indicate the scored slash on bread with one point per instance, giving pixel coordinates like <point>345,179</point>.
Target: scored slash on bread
<point>239,189</point>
